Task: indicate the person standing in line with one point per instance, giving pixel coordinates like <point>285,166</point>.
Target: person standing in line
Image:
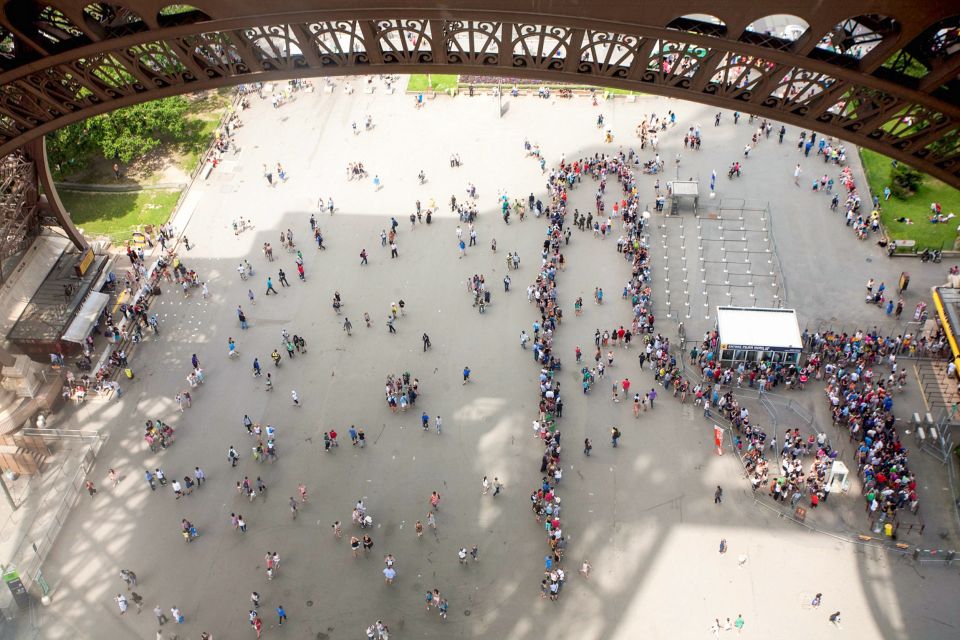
<point>718,495</point>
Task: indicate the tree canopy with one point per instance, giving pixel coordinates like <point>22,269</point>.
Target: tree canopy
<point>125,135</point>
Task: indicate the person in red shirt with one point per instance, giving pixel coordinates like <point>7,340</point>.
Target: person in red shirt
<point>626,386</point>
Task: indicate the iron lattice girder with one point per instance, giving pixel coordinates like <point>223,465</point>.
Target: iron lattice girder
<point>765,78</point>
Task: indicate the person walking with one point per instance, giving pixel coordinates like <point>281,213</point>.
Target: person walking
<point>161,616</point>
<point>426,342</point>
<point>128,577</point>
<point>242,318</point>
<point>466,375</point>
<point>270,288</point>
<point>295,397</point>
<point>121,603</point>
<point>587,447</point>
<point>615,437</point>
<point>497,486</point>
<point>390,321</point>
<point>363,257</point>
<point>718,495</point>
<point>281,614</point>
<point>347,326</point>
<point>283,278</point>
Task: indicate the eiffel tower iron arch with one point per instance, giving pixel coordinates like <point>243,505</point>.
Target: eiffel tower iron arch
<point>881,74</point>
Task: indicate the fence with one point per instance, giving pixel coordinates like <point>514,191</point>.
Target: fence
<point>39,540</point>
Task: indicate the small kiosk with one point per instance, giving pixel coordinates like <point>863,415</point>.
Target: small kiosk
<point>752,334</point>
<point>684,189</point>
<point>838,480</point>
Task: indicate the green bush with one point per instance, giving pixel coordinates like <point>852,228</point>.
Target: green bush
<point>904,180</point>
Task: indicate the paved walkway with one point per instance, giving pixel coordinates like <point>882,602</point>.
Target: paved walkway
<point>642,514</point>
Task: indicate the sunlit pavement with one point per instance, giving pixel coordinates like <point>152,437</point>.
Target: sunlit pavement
<point>642,514</point>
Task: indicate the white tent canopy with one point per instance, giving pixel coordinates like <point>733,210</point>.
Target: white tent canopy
<point>92,307</point>
<point>758,329</point>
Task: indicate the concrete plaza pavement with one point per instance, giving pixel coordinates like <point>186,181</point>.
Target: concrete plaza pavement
<point>642,514</point>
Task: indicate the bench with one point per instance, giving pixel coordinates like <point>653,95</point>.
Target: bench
<point>901,247</point>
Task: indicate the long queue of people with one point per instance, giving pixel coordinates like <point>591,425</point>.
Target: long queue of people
<point>544,501</point>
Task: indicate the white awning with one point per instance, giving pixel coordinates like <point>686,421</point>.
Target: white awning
<point>759,329</point>
<point>80,328</point>
<point>686,188</point>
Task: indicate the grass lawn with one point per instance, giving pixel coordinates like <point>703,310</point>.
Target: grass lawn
<point>917,207</point>
<point>117,215</point>
<point>418,82</point>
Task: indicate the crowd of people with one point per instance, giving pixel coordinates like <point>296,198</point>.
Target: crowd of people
<point>860,400</point>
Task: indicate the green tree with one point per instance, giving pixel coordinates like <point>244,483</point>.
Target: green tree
<point>904,180</point>
<point>126,134</point>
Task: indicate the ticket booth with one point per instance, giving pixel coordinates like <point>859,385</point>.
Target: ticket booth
<point>839,477</point>
<point>755,334</point>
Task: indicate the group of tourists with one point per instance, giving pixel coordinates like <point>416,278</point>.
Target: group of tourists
<point>401,391</point>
